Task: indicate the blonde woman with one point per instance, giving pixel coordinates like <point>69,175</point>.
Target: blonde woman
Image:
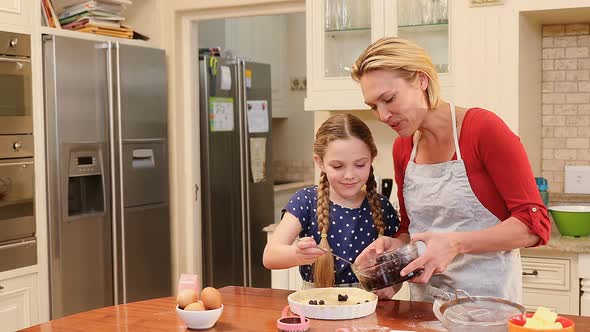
<point>465,185</point>
<point>343,213</point>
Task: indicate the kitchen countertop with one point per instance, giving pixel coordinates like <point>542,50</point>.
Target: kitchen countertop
<point>568,198</point>
<point>570,244</point>
<point>246,309</point>
<point>270,228</point>
<point>293,185</point>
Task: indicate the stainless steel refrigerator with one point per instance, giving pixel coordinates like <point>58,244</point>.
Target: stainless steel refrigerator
<point>236,173</point>
<point>107,173</point>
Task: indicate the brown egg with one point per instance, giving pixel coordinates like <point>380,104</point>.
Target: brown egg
<point>195,306</point>
<point>211,298</point>
<point>186,297</point>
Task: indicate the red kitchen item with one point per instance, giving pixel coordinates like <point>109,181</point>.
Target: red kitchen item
<point>292,323</point>
<point>516,324</point>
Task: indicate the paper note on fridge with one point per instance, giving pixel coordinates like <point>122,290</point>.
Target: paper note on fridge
<point>221,114</point>
<point>258,158</point>
<point>225,83</point>
<point>257,116</point>
<point>248,74</point>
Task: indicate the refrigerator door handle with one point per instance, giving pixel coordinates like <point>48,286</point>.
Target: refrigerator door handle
<point>206,218</point>
<point>243,165</point>
<point>112,167</point>
<point>119,142</point>
<point>245,171</point>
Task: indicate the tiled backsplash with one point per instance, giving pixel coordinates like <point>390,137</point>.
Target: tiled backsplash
<point>566,100</point>
<point>293,170</point>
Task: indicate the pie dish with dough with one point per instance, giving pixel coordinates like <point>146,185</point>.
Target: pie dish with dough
<point>358,303</point>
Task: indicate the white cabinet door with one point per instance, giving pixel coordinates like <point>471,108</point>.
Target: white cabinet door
<point>337,35</point>
<point>18,13</point>
<point>19,302</point>
<point>551,282</point>
<point>269,46</point>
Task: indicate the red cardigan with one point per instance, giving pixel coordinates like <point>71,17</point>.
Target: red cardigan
<point>498,170</point>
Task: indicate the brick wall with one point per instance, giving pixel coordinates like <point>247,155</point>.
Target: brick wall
<point>566,100</point>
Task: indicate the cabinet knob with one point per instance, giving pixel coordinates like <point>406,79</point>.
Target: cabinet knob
<point>534,273</point>
<point>17,145</point>
<point>13,42</point>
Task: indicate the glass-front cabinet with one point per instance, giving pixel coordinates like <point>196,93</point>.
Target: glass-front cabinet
<point>339,30</point>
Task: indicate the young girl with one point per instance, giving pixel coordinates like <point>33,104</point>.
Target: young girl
<point>343,213</point>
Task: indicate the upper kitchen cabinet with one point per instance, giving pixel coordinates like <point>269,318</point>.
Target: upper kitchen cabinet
<point>17,15</point>
<point>339,30</point>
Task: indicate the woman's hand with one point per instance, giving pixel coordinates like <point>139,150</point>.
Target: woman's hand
<point>441,249</point>
<point>384,243</point>
<point>307,251</point>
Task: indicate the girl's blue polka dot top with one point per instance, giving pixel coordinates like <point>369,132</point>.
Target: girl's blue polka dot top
<point>350,231</point>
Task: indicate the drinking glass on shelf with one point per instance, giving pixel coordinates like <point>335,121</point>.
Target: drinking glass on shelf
<point>360,11</point>
<point>402,12</point>
<point>427,11</point>
<point>329,14</point>
<point>443,11</point>
<point>413,12</point>
<point>342,14</point>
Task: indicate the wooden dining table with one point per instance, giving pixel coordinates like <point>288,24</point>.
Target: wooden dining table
<point>247,309</point>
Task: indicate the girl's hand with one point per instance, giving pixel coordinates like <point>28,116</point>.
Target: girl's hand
<point>307,251</point>
<point>441,249</point>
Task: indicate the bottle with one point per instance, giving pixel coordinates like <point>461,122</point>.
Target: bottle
<point>543,187</point>
<point>386,187</point>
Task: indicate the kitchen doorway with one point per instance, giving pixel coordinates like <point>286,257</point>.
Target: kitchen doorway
<point>292,128</point>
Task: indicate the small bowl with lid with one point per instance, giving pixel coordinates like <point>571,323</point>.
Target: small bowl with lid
<point>383,270</point>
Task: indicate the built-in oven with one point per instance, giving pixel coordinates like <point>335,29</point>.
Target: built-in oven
<point>15,84</point>
<point>18,246</point>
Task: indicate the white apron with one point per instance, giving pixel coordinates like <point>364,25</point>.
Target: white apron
<point>439,198</point>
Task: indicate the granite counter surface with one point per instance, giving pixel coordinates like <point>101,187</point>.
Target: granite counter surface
<point>569,244</point>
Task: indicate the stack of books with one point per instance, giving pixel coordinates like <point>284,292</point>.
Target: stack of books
<point>48,14</point>
<point>101,17</point>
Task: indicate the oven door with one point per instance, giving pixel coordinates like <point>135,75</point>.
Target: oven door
<point>15,95</point>
<point>17,219</point>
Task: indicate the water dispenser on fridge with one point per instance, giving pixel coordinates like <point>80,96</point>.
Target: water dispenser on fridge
<point>85,183</point>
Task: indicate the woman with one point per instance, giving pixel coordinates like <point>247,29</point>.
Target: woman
<point>465,186</point>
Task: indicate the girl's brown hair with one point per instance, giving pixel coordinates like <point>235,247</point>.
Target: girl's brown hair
<point>405,58</point>
<point>340,126</point>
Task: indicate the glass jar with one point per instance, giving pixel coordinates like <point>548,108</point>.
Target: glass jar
<point>380,271</point>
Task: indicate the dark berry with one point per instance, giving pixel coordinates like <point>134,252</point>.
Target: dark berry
<point>358,303</point>
<point>366,301</point>
<point>310,301</point>
<point>322,302</point>
<point>342,298</point>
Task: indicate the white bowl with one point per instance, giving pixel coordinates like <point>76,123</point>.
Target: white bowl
<point>199,319</point>
<point>360,303</point>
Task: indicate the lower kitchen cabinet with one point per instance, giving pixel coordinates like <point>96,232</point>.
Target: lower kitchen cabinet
<point>552,282</point>
<point>19,302</point>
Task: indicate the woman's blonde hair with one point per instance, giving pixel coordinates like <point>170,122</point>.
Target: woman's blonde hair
<point>340,126</point>
<point>402,56</point>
